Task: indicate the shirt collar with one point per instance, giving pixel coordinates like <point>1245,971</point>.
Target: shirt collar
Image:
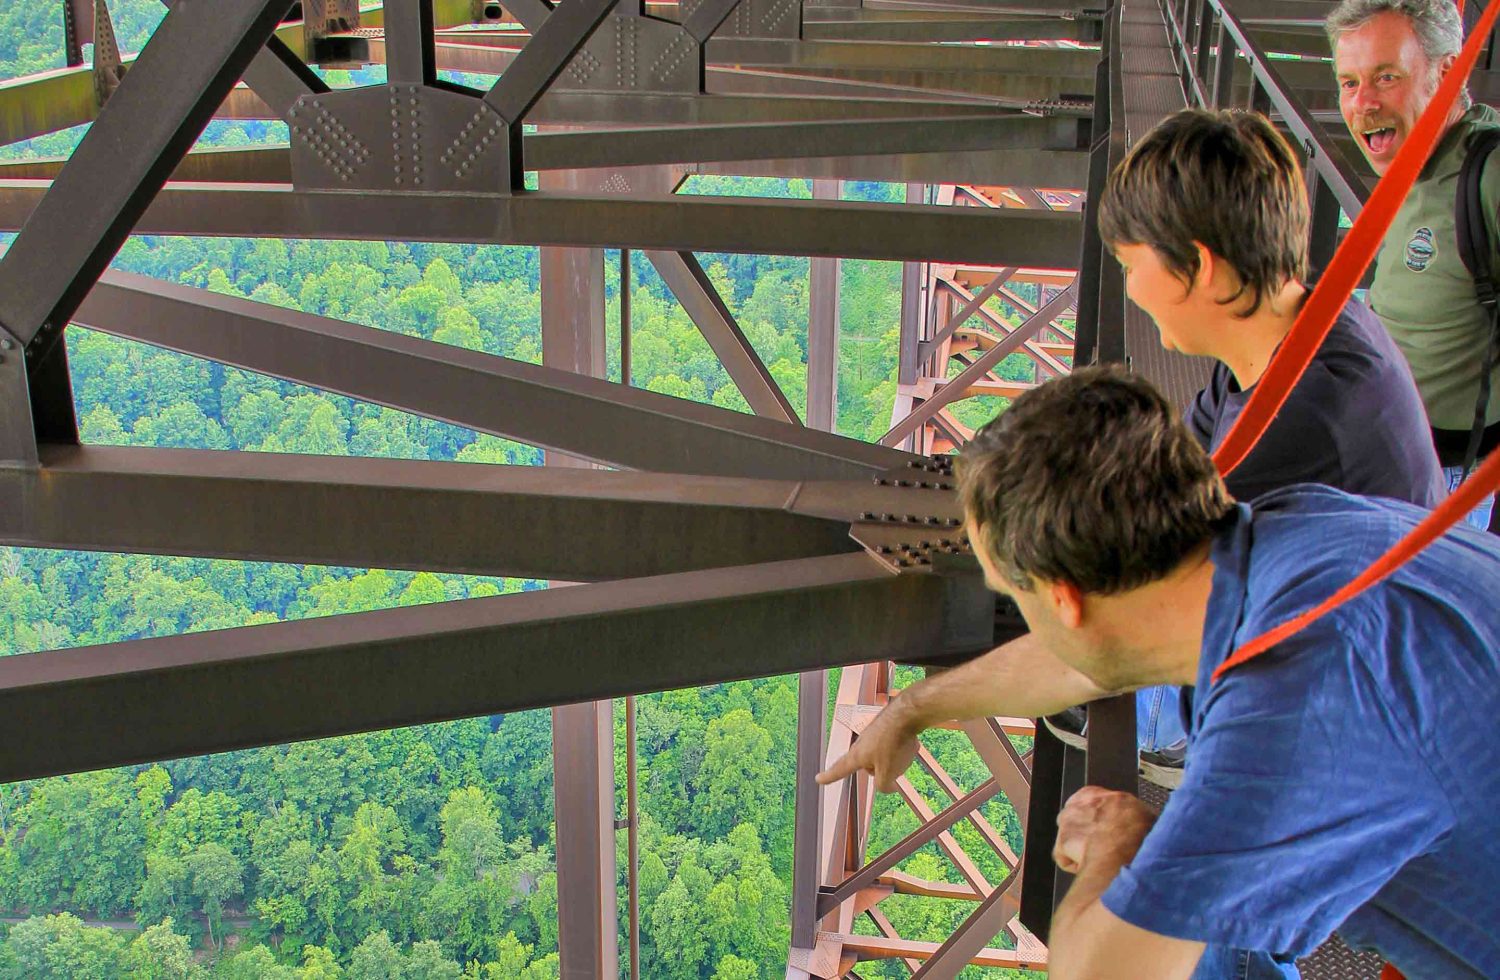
<point>1226,601</point>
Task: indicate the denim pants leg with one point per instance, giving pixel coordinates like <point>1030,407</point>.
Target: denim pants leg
<point>1158,718</point>
<point>1228,963</point>
<point>1480,516</point>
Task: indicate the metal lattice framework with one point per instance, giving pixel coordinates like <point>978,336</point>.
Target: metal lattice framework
<point>713,545</point>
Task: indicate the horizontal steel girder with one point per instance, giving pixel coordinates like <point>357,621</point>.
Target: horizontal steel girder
<point>639,147</point>
<point>1007,167</point>
<point>154,699</point>
<point>676,223</point>
<point>598,420</point>
<point>960,27</point>
<point>1012,168</point>
<point>521,521</point>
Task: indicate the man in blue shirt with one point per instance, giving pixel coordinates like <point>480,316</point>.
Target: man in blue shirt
<point>1347,779</point>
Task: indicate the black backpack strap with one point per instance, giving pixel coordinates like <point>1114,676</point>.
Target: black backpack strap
<point>1472,226</point>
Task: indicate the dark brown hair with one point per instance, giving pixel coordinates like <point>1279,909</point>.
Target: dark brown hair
<point>1090,479</point>
<point>1224,179</point>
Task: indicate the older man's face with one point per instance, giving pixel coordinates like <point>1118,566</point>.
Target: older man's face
<point>1385,82</point>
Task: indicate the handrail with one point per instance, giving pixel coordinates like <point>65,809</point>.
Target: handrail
<point>1323,156</point>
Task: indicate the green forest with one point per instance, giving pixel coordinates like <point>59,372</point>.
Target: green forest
<point>417,853</point>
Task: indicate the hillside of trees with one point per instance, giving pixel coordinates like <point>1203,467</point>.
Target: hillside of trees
<point>424,852</point>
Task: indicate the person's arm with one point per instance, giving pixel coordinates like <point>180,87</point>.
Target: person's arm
<point>1020,678</point>
<point>1098,833</point>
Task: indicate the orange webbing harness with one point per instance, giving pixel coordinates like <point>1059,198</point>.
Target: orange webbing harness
<point>1311,327</point>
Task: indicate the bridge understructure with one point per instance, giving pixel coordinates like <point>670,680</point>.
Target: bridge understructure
<point>702,545</point>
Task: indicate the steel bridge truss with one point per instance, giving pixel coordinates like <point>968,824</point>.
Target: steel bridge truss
<point>711,545</point>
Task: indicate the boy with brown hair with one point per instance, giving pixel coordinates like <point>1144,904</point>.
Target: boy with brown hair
<point>1208,216</point>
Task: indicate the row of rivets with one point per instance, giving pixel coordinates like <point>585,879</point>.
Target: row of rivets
<point>917,484</point>
<point>931,521</point>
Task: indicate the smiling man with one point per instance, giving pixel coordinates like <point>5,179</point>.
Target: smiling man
<point>1389,56</point>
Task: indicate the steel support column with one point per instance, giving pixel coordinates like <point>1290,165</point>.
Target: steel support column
<point>584,780</point>
<point>823,275</point>
<point>582,734</point>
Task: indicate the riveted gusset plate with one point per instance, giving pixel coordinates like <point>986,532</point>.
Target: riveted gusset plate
<point>397,137</point>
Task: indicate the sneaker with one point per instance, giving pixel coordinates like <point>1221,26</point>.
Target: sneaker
<point>1070,726</point>
<point>1165,766</point>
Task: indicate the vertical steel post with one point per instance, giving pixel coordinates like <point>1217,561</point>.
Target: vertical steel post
<point>911,307</point>
<point>633,841</point>
<point>410,49</point>
<point>823,329</point>
<point>78,29</point>
<point>1324,239</point>
<point>625,316</point>
<point>1224,69</point>
<point>812,705</point>
<point>582,734</point>
<point>1205,33</point>
<point>584,797</point>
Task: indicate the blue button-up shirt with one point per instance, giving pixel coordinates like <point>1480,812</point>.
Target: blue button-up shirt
<point>1349,778</point>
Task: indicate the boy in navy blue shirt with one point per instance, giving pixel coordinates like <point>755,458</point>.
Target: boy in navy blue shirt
<point>1347,779</point>
<point>1208,216</point>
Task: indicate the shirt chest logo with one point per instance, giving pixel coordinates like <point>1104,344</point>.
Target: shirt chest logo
<point>1420,251</point>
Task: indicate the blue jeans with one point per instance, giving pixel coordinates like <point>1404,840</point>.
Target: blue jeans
<point>1480,516</point>
<point>1158,718</point>
<point>1225,963</point>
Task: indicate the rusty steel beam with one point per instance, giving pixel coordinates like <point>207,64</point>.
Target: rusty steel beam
<point>982,366</point>
<point>147,700</point>
<point>991,836</point>
<point>685,277</point>
<point>515,521</point>
<point>715,224</point>
<point>823,282</point>
<point>584,803</point>
<point>793,140</point>
<point>939,961</point>
<point>812,706</point>
<point>946,842</point>
<point>170,93</point>
<point>958,319</point>
<point>541,406</point>
<point>907,846</point>
<point>273,165</point>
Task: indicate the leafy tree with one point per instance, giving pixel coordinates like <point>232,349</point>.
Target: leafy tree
<point>319,963</point>
<point>731,787</point>
<point>160,953</point>
<point>215,877</point>
<point>252,963</point>
<point>732,967</point>
<point>60,947</point>
<point>377,958</point>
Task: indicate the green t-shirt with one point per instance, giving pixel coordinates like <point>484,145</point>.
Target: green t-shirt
<point>1425,296</point>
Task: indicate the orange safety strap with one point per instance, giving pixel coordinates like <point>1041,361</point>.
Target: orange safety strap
<point>1316,319</point>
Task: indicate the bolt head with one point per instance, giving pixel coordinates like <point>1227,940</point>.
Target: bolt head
<point>7,344</point>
